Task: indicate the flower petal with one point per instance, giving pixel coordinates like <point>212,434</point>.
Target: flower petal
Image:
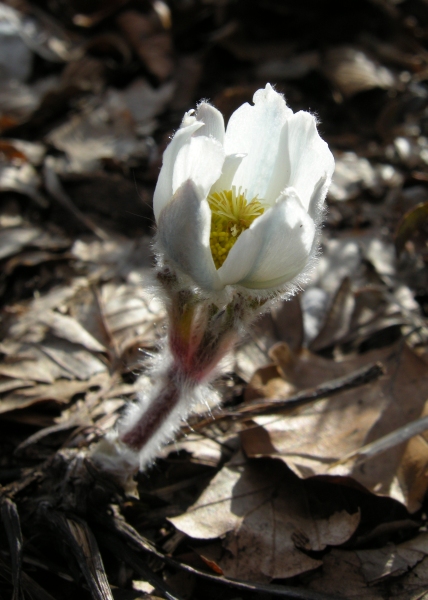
<point>200,160</point>
<point>230,166</point>
<point>163,191</point>
<point>255,131</point>
<point>213,121</point>
<point>316,204</point>
<point>284,236</point>
<point>303,158</point>
<point>241,258</point>
<point>184,235</point>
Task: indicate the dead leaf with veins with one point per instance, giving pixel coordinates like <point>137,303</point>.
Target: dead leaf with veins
<point>314,440</point>
<point>267,519</point>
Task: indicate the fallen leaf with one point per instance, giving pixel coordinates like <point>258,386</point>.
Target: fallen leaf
<point>314,439</point>
<point>341,576</point>
<point>267,517</point>
<point>79,363</point>
<point>14,239</point>
<point>61,392</point>
<point>26,361</point>
<point>392,560</point>
<point>69,329</point>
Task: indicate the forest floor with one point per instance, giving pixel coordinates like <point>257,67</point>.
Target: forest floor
<point>310,481</point>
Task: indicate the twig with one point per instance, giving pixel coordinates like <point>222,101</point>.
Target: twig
<point>55,189</point>
<point>386,442</point>
<point>135,539</point>
<point>131,558</point>
<point>249,410</point>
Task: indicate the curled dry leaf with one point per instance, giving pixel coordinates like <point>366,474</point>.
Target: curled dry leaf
<point>268,519</point>
<point>314,439</point>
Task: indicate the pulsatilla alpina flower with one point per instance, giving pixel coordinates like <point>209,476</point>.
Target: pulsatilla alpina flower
<point>242,206</point>
<point>237,210</point>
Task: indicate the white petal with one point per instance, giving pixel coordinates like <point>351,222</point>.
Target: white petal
<point>230,166</point>
<point>184,236</point>
<point>213,121</point>
<point>255,131</point>
<point>303,158</point>
<point>200,160</point>
<point>284,236</point>
<point>241,258</point>
<point>188,119</point>
<point>316,205</point>
<point>163,191</point>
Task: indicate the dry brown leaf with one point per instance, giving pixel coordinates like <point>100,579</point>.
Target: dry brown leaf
<point>314,439</point>
<point>89,137</point>
<point>14,239</point>
<point>26,361</point>
<point>53,359</point>
<point>61,391</point>
<point>392,560</point>
<point>413,585</point>
<point>6,385</point>
<point>79,363</point>
<point>284,323</point>
<point>31,314</point>
<point>205,450</point>
<point>267,517</point>
<point>21,178</point>
<point>131,314</point>
<point>341,576</point>
<point>343,573</point>
<point>69,329</point>
<point>108,128</point>
<point>336,324</point>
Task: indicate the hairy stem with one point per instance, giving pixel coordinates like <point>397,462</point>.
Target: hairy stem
<point>156,414</point>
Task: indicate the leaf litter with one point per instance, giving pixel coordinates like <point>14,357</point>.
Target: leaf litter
<point>310,482</point>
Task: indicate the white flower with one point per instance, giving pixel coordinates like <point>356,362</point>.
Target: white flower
<point>242,206</point>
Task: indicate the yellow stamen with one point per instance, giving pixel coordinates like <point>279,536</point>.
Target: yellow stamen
<point>231,215</point>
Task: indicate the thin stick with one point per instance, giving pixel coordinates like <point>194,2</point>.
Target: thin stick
<point>362,376</point>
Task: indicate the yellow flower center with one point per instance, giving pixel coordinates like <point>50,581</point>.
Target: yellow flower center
<point>231,215</point>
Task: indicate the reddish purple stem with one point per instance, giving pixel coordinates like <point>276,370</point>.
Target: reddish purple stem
<point>155,416</point>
